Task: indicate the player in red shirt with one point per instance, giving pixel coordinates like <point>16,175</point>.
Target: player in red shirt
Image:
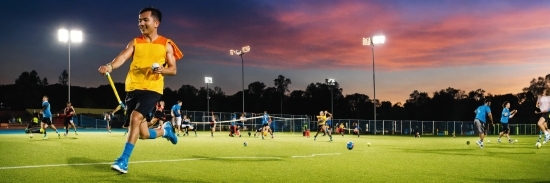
<point>159,115</point>
<point>69,113</point>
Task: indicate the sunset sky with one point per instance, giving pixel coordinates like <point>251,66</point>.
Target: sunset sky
<point>430,45</point>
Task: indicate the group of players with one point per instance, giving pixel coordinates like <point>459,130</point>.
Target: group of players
<point>182,124</point>
<point>46,120</point>
<point>543,104</point>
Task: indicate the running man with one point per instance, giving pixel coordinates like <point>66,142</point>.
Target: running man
<point>144,84</point>
<point>69,113</point>
<point>212,125</point>
<point>176,116</point>
<point>47,118</point>
<point>481,120</point>
<point>506,114</point>
<point>543,103</point>
<point>321,120</point>
<point>265,124</point>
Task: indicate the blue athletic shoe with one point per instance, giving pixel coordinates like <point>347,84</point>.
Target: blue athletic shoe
<point>120,165</point>
<point>170,134</point>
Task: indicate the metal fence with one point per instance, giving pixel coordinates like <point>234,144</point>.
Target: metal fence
<point>281,122</point>
<point>299,123</point>
<point>440,128</point>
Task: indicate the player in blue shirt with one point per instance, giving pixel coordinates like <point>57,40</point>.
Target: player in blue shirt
<point>47,118</point>
<point>481,120</point>
<point>176,115</point>
<point>265,124</point>
<point>506,114</point>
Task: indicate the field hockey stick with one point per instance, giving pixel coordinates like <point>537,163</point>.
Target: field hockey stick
<point>114,90</point>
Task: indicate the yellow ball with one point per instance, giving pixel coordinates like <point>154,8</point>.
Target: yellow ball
<point>265,133</point>
<point>41,130</point>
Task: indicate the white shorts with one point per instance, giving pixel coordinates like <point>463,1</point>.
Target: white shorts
<point>185,125</point>
<point>178,121</point>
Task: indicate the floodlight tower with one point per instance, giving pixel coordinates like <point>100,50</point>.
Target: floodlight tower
<point>331,83</point>
<point>73,36</point>
<point>371,41</point>
<point>207,80</point>
<point>241,52</point>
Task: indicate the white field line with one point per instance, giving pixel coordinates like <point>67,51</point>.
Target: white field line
<point>248,158</point>
<point>103,163</point>
<point>156,161</point>
<point>313,155</point>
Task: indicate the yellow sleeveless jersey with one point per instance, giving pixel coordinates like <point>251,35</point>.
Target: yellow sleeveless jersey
<point>321,120</point>
<point>141,76</point>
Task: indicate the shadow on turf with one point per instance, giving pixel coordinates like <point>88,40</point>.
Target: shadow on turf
<point>128,177</point>
<point>240,159</point>
<point>79,160</point>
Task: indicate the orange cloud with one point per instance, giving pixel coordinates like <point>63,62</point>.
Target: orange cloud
<point>329,36</point>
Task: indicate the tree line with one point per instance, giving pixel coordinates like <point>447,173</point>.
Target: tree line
<point>448,104</point>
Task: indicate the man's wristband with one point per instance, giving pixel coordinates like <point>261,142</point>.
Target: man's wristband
<point>109,65</point>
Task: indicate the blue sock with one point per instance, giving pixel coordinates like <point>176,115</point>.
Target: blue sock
<point>128,148</point>
<point>152,134</point>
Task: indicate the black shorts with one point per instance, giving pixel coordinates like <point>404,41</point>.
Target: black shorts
<point>212,125</point>
<point>142,101</point>
<point>259,130</point>
<point>67,121</point>
<point>264,125</point>
<point>505,128</point>
<point>320,127</point>
<point>47,120</point>
<point>546,117</point>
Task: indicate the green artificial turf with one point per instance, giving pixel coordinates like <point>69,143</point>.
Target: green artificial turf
<point>286,158</point>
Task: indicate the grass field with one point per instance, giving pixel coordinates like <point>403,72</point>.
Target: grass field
<point>287,158</point>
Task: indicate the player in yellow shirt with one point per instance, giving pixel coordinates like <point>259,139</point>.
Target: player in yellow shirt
<point>321,120</point>
<point>153,56</point>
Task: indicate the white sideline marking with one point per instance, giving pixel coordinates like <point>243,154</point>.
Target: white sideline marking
<point>157,161</point>
<point>313,155</point>
<point>104,163</point>
<point>248,158</point>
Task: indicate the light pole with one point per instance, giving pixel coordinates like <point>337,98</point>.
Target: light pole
<point>331,83</point>
<point>207,80</point>
<point>372,41</point>
<point>74,36</point>
<point>241,52</point>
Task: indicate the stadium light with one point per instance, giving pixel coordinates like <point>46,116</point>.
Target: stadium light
<point>371,41</point>
<point>207,80</point>
<point>73,36</point>
<point>331,83</point>
<point>241,52</point>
